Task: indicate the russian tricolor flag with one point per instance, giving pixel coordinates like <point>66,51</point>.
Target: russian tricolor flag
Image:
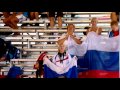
<point>101,58</point>
<point>98,58</point>
<point>54,70</point>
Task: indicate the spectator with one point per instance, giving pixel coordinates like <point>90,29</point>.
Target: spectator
<point>52,19</point>
<point>60,60</point>
<point>6,14</point>
<point>115,29</point>
<point>94,26</point>
<point>70,39</point>
<point>52,22</point>
<point>34,15</point>
<point>12,20</point>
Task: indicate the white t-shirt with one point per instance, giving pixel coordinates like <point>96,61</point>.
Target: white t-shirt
<point>66,60</point>
<point>70,43</point>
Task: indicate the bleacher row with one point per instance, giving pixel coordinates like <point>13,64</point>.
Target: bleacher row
<point>33,39</point>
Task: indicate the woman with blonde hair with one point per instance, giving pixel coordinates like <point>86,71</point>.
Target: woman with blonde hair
<point>94,26</point>
<point>62,65</point>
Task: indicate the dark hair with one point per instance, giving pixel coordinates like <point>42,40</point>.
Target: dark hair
<point>61,55</point>
<point>114,23</point>
<point>84,33</point>
<point>86,27</point>
<point>40,69</point>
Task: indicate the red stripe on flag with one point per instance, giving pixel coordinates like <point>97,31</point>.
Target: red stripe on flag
<point>99,74</point>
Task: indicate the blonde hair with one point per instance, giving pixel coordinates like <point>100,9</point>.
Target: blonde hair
<point>60,46</point>
<point>94,18</point>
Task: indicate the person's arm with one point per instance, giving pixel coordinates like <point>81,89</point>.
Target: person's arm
<point>61,41</point>
<point>76,39</point>
<point>113,16</point>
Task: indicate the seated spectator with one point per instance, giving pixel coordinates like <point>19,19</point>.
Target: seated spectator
<point>94,26</point>
<point>60,65</point>
<point>52,19</point>
<point>34,15</point>
<point>115,29</point>
<point>6,14</point>
<point>13,20</point>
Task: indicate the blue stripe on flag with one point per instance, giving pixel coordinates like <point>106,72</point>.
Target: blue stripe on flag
<point>100,60</point>
<point>48,73</point>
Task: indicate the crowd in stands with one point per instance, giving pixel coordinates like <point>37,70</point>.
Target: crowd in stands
<point>12,19</point>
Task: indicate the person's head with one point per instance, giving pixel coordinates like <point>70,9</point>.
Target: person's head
<point>70,29</point>
<point>114,25</point>
<point>87,28</point>
<point>94,21</point>
<point>61,48</point>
